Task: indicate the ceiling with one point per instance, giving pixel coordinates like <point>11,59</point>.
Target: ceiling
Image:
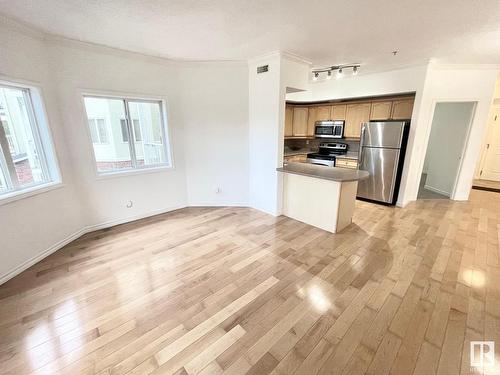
<point>326,32</point>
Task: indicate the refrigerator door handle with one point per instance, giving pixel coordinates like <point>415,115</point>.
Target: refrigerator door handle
<point>361,137</point>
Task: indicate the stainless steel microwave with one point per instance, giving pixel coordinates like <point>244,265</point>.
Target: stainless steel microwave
<point>329,129</point>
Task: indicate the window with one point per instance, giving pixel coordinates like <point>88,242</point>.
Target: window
<point>136,129</point>
<point>123,120</point>
<point>98,131</point>
<point>26,154</point>
<point>124,128</point>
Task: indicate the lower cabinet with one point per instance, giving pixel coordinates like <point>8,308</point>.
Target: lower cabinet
<point>346,163</point>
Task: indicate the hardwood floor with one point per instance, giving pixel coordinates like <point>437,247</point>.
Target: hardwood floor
<point>487,185</point>
<point>233,291</point>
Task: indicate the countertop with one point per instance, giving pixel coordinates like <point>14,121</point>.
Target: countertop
<point>350,155</point>
<point>302,151</point>
<point>325,173</point>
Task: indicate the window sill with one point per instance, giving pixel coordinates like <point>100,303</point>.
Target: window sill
<point>132,172</point>
<point>26,193</point>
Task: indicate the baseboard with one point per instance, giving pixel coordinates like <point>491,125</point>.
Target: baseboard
<point>30,262</point>
<point>128,219</point>
<point>216,204</point>
<point>87,229</point>
<point>436,190</point>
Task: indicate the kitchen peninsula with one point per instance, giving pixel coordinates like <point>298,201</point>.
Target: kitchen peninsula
<point>320,196</point>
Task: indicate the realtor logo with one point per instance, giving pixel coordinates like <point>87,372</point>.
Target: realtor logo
<point>482,353</point>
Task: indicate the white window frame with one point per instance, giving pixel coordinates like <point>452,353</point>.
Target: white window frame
<point>126,98</point>
<point>44,142</point>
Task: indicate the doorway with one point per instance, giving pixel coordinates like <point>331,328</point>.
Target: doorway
<point>443,159</point>
<point>489,174</point>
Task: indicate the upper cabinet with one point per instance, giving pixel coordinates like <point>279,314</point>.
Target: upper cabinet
<point>381,110</point>
<point>317,113</point>
<point>299,122</point>
<point>402,109</point>
<point>288,121</point>
<point>323,113</point>
<point>338,111</point>
<point>356,114</point>
<point>301,118</point>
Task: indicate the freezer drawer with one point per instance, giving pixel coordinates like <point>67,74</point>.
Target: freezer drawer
<point>388,134</point>
<point>382,164</point>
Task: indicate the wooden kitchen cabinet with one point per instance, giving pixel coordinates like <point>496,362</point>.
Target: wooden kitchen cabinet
<point>311,119</point>
<point>317,113</point>
<point>355,115</point>
<point>323,113</point>
<point>299,121</point>
<point>381,110</point>
<point>338,112</point>
<point>346,163</point>
<point>402,109</point>
<point>288,121</point>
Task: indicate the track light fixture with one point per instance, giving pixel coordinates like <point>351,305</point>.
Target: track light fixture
<point>338,68</point>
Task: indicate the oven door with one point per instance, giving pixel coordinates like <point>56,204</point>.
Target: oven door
<point>317,161</point>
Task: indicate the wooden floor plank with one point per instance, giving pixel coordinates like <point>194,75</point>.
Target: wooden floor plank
<point>212,290</point>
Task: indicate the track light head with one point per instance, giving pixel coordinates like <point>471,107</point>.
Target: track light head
<point>315,76</point>
<point>355,70</point>
<point>329,76</point>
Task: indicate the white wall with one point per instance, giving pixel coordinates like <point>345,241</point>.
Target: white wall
<point>264,135</point>
<point>80,68</point>
<point>449,130</point>
<point>207,109</point>
<point>30,226</point>
<point>267,94</point>
<point>452,83</point>
<point>214,112</point>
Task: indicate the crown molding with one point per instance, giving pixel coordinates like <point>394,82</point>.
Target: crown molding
<point>457,66</point>
<point>279,54</point>
<point>22,28</point>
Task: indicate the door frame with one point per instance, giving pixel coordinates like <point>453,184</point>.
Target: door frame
<point>465,144</point>
<point>489,129</point>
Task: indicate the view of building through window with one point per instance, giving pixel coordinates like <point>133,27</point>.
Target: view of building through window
<point>111,132</point>
<point>22,160</point>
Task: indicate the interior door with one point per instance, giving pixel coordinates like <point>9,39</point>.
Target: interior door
<point>491,167</point>
<point>382,165</point>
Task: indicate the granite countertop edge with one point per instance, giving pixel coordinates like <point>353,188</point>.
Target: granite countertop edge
<point>324,173</point>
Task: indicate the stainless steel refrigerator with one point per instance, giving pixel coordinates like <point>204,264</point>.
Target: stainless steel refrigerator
<point>381,152</point>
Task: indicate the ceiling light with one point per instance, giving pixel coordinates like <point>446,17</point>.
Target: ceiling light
<point>329,76</point>
<point>315,77</point>
<point>354,70</point>
<point>339,73</point>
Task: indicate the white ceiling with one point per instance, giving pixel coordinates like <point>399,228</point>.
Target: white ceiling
<point>326,32</point>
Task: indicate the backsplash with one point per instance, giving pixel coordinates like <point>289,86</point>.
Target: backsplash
<point>313,144</point>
